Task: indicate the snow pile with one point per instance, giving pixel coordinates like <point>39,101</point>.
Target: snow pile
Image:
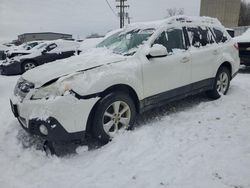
<point>245,37</point>
<point>192,143</point>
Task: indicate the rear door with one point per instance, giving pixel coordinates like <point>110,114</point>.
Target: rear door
<point>204,55</point>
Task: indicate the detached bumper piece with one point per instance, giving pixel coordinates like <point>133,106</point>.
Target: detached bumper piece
<point>52,130</point>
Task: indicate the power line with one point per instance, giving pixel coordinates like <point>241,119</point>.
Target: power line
<point>111,8</point>
<point>122,13</point>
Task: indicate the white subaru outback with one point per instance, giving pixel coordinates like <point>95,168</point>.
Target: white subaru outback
<point>132,70</point>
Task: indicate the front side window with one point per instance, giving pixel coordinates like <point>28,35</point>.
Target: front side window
<point>172,39</point>
<point>126,42</point>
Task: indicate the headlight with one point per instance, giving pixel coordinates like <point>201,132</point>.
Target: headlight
<point>47,92</point>
<point>23,86</point>
<point>53,90</point>
<point>9,61</point>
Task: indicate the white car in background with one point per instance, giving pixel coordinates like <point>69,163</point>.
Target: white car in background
<point>137,68</point>
<point>244,47</point>
<point>22,49</point>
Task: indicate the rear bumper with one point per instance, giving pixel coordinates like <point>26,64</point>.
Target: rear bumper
<point>11,69</point>
<point>245,60</point>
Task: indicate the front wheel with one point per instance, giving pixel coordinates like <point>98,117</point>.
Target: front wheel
<point>221,84</point>
<point>114,112</point>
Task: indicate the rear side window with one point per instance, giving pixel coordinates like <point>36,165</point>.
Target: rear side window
<point>200,36</point>
<point>219,36</point>
<point>172,39</point>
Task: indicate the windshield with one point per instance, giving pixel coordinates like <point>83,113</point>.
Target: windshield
<point>29,46</point>
<point>41,46</point>
<point>126,42</point>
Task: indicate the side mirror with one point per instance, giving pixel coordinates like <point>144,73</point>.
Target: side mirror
<point>158,50</point>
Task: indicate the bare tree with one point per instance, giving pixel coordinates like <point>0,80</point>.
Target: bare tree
<point>174,12</point>
<point>244,19</point>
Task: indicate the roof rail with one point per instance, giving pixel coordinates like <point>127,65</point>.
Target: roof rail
<point>190,19</point>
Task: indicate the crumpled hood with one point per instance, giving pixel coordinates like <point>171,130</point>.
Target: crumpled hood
<point>91,59</point>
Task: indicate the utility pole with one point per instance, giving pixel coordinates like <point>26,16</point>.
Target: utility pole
<point>122,12</point>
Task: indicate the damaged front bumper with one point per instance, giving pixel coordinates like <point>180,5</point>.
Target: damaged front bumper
<point>63,119</point>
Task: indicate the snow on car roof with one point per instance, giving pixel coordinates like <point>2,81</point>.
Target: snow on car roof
<point>181,19</point>
<point>176,20</point>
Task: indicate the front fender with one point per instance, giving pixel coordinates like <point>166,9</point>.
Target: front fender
<point>99,79</point>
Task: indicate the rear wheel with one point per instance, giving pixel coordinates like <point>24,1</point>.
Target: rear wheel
<point>28,65</point>
<point>221,84</point>
<point>114,112</point>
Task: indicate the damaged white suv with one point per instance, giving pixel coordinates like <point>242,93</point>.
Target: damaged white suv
<point>132,70</point>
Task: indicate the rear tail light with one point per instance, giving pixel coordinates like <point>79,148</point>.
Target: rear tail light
<point>236,46</point>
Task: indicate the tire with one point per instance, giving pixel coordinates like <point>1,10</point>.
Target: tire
<point>49,148</point>
<point>28,65</point>
<point>221,84</point>
<point>114,112</point>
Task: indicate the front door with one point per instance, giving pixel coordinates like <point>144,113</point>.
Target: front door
<point>169,76</point>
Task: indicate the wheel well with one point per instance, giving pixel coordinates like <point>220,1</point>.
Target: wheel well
<point>121,88</point>
<point>228,66</point>
<point>126,89</point>
<point>29,60</point>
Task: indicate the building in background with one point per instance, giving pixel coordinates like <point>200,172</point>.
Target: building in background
<point>227,11</point>
<point>26,37</point>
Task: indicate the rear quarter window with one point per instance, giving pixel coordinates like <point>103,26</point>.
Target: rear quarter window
<point>220,36</point>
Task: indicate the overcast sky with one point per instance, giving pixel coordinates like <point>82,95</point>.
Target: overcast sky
<point>79,17</point>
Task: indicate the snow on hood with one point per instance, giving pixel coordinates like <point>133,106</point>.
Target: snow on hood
<point>93,58</point>
<point>245,37</point>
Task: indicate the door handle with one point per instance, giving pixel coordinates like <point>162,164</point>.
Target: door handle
<point>185,60</point>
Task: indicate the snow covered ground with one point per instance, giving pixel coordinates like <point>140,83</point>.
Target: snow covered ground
<point>193,143</point>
